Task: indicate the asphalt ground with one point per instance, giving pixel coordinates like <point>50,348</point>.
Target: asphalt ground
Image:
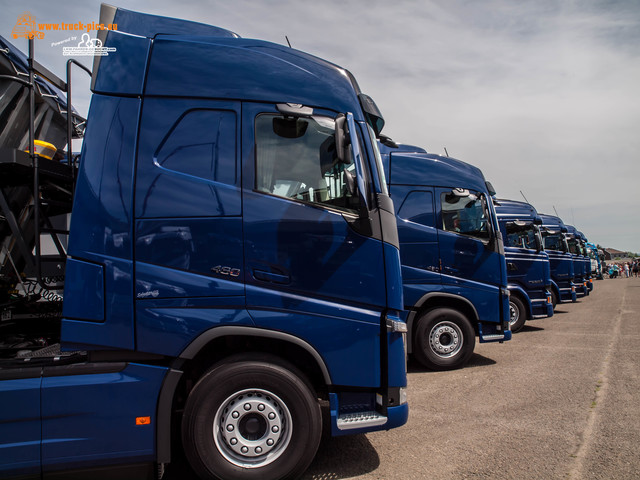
<point>561,400</point>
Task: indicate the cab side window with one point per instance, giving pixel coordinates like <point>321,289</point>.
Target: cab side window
<point>296,159</point>
<point>418,208</point>
<point>464,215</point>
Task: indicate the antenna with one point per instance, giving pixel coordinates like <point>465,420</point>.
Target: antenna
<point>573,220</point>
<point>554,209</point>
<point>445,151</point>
<point>525,198</point>
<point>288,42</point>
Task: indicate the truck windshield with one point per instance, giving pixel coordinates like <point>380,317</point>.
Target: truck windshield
<point>464,214</point>
<point>583,249</point>
<point>554,241</point>
<point>574,246</point>
<point>521,236</point>
<point>296,159</point>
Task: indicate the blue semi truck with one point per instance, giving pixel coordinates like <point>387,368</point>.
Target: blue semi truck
<point>453,263</point>
<point>528,271</point>
<point>554,238</point>
<point>232,260</point>
<point>584,242</point>
<point>596,257</point>
<point>581,265</point>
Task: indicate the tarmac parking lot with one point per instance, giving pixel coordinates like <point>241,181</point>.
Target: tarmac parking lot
<point>559,401</point>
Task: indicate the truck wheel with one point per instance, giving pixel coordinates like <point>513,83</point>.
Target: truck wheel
<point>444,339</point>
<point>251,419</point>
<point>554,299</point>
<point>517,314</point>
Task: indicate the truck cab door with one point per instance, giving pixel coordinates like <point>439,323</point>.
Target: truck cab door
<point>188,227</point>
<point>469,260</point>
<point>307,269</point>
<point>418,239</point>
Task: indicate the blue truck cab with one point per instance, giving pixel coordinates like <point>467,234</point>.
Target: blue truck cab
<point>586,258</point>
<point>528,272</point>
<point>554,238</point>
<point>595,259</point>
<point>232,263</point>
<point>582,271</point>
<point>453,264</point>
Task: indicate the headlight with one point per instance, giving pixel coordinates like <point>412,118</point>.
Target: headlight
<point>397,326</point>
<point>406,349</point>
<point>403,396</point>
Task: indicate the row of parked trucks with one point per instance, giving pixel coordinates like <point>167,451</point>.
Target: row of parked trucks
<point>236,246</point>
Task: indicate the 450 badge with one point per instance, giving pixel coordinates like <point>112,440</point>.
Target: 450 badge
<point>221,270</point>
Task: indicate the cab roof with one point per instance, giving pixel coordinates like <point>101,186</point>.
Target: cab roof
<point>514,210</point>
<point>163,56</point>
<point>409,165</point>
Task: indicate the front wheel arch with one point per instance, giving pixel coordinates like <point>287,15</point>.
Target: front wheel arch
<point>434,300</point>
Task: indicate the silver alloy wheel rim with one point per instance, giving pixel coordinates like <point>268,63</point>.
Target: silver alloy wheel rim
<point>514,314</point>
<point>446,339</point>
<point>252,428</point>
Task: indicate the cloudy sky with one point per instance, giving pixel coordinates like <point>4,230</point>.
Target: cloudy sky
<point>543,96</point>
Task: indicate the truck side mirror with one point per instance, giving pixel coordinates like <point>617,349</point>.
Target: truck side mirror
<point>342,140</point>
<point>539,243</point>
<point>491,232</point>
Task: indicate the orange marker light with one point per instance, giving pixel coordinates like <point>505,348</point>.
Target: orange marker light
<point>143,420</point>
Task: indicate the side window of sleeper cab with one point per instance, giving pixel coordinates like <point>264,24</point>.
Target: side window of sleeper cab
<point>418,208</point>
<point>463,213</point>
<point>296,159</point>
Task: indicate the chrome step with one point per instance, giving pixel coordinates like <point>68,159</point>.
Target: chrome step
<point>491,338</point>
<point>349,421</point>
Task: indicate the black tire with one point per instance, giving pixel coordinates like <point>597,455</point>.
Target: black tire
<point>517,314</point>
<point>554,299</point>
<point>276,432</point>
<point>443,339</point>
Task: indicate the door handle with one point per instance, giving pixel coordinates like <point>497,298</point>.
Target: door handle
<point>271,277</point>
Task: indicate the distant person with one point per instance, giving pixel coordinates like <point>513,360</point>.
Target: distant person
<point>635,269</point>
<point>626,270</point>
